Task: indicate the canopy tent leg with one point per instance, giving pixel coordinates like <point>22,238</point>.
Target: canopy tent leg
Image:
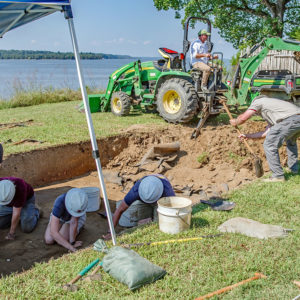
<point>90,124</point>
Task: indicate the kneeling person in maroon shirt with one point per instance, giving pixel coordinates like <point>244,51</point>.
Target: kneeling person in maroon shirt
<point>17,203</point>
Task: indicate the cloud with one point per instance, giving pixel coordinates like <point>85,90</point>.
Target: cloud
<point>146,42</point>
<point>56,43</point>
<point>115,41</point>
<point>33,41</point>
<point>132,42</point>
<point>95,43</point>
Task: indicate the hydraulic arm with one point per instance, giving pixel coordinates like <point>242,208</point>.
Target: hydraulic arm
<point>238,93</point>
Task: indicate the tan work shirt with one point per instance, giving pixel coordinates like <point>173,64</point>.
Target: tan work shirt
<point>273,110</point>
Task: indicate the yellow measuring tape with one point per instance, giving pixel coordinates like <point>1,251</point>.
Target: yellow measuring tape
<point>171,241</point>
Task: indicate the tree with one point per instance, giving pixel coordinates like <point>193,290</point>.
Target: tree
<point>241,22</point>
<point>295,34</point>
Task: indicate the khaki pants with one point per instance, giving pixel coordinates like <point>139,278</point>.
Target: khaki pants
<point>205,69</point>
<point>285,131</point>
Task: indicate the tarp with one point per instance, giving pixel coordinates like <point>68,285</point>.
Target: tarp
<point>17,13</point>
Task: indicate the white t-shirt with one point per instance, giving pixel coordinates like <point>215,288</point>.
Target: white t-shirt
<point>273,110</point>
<point>198,47</point>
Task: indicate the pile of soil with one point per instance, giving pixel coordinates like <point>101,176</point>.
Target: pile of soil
<point>215,163</point>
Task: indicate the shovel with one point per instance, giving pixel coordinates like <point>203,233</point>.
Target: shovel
<point>259,171</point>
<point>70,286</point>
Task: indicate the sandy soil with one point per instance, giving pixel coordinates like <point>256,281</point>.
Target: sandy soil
<point>226,166</point>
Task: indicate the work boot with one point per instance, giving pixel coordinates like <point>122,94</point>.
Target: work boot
<point>274,179</point>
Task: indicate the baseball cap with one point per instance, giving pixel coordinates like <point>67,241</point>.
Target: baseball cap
<point>7,191</point>
<point>203,32</point>
<point>76,202</point>
<point>150,189</point>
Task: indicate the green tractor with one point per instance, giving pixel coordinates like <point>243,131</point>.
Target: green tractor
<point>174,91</point>
<point>164,86</point>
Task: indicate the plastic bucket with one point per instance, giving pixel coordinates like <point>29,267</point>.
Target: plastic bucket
<point>137,211</point>
<point>93,194</point>
<point>174,214</point>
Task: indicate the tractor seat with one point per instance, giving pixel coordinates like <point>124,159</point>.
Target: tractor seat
<point>172,57</point>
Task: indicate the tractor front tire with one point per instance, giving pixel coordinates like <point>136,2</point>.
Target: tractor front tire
<point>177,100</point>
<point>120,104</point>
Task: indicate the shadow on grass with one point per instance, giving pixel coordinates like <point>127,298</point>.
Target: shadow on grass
<point>198,221</point>
<point>198,208</point>
<point>290,175</point>
<point>134,114</point>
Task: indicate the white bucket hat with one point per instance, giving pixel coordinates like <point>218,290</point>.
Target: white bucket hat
<point>7,192</point>
<point>150,189</point>
<point>76,202</point>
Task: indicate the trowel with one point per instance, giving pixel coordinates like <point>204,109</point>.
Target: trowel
<point>219,204</point>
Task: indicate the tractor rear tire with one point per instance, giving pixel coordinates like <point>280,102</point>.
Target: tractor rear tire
<point>177,100</point>
<point>120,104</point>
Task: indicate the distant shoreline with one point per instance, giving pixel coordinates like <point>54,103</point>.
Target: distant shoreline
<point>38,55</point>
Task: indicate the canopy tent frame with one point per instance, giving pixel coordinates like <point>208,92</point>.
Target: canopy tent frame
<point>34,7</point>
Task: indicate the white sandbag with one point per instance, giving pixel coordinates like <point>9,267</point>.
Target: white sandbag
<point>253,228</point>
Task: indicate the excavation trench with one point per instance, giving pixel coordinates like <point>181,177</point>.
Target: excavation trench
<point>213,164</point>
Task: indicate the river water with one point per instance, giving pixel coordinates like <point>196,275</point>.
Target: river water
<point>27,75</point>
<point>22,75</point>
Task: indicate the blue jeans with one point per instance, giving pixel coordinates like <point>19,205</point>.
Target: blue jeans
<point>28,219</point>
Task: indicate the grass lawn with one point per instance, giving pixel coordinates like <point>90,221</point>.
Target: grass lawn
<point>193,268</point>
<point>61,123</point>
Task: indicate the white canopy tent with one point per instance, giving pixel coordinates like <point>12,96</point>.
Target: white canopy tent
<point>17,13</point>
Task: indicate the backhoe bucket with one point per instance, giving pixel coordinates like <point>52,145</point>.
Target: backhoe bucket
<point>94,102</point>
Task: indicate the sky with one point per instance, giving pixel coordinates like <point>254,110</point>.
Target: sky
<point>129,27</point>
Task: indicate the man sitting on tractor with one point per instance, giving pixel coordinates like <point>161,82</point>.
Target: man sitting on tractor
<point>199,56</point>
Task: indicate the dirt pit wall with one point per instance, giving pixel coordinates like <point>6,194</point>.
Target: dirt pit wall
<point>40,167</point>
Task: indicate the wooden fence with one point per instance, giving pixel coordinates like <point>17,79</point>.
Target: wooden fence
<point>278,60</point>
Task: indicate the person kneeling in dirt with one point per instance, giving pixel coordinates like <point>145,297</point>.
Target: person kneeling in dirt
<point>67,218</point>
<point>17,203</point>
<point>149,190</point>
<point>283,126</point>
